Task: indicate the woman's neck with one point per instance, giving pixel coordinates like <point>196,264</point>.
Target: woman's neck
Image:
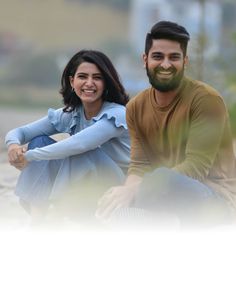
<point>92,109</point>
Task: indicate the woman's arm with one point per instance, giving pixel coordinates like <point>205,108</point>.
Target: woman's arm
<point>24,134</point>
<point>87,139</point>
<point>16,138</point>
<point>16,156</point>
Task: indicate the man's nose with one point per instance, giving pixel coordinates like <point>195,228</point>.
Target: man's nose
<point>166,64</point>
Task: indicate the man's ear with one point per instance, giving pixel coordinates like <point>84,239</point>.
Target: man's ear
<point>186,61</point>
<point>144,60</point>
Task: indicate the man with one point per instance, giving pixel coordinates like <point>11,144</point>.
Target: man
<point>182,159</point>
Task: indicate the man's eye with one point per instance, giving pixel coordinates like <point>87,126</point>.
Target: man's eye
<point>157,57</point>
<point>175,57</point>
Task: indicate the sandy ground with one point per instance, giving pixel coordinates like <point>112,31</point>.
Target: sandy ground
<point>12,217</point>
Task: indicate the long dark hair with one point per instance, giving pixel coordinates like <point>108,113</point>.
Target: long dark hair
<point>114,90</point>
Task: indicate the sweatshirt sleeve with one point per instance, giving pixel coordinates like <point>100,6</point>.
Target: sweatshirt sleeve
<point>208,120</point>
<point>24,134</point>
<point>139,163</point>
<point>57,121</point>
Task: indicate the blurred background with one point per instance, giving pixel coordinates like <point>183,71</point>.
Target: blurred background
<point>37,38</point>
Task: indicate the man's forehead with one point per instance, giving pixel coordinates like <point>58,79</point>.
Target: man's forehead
<point>166,45</point>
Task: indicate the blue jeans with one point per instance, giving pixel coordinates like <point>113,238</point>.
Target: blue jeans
<point>83,175</point>
<point>164,190</point>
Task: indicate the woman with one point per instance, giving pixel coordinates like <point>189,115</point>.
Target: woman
<point>97,149</point>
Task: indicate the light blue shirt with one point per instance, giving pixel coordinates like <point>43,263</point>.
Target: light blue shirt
<point>108,131</point>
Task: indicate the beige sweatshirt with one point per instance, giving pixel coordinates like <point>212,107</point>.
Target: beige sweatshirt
<point>191,135</point>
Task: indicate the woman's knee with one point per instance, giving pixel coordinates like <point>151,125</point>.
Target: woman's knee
<point>40,141</point>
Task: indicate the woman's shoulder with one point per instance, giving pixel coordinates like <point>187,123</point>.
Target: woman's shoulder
<point>57,115</point>
<point>114,112</point>
<point>62,121</point>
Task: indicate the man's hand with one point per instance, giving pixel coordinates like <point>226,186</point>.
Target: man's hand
<point>118,197</point>
<point>16,156</point>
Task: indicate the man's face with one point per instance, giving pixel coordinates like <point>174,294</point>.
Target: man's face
<point>165,64</point>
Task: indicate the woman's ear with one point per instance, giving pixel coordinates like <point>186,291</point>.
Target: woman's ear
<point>71,81</point>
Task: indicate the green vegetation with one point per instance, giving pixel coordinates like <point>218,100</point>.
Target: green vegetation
<point>232,116</point>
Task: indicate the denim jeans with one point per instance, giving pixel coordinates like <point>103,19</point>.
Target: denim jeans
<point>167,191</point>
<point>90,173</point>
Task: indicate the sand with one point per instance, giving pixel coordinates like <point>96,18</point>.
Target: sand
<point>12,216</point>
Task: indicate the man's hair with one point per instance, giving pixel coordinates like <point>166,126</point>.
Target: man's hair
<point>170,31</point>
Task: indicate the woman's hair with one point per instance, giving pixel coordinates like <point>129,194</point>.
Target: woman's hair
<point>114,90</point>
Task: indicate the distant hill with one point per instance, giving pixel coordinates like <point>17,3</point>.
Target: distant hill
<point>50,24</point>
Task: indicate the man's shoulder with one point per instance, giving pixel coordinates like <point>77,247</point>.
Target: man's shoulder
<point>201,88</point>
<point>140,98</point>
<point>201,95</point>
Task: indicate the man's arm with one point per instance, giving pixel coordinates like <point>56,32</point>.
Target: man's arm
<point>118,197</point>
<point>122,196</point>
<point>139,162</point>
<point>208,121</point>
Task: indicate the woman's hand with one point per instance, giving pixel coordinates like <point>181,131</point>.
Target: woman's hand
<point>16,156</point>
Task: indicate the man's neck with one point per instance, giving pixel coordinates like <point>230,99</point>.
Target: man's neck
<point>163,99</point>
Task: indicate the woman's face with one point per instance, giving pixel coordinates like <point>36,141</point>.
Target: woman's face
<point>88,83</point>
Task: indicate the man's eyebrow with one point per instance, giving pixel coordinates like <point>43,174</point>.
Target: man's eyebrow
<point>157,53</point>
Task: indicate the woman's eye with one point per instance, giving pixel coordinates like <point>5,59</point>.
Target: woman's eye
<point>81,77</point>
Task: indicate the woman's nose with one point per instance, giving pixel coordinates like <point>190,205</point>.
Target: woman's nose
<point>89,81</point>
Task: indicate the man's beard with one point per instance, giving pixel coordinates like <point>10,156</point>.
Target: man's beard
<point>164,85</point>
